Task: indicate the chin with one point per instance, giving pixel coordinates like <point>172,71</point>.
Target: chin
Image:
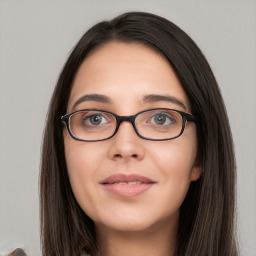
<point>130,225</point>
<point>131,222</point>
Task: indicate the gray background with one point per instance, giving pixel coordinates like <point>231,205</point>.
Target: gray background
<point>35,39</point>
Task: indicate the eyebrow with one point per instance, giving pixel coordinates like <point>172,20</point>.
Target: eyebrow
<point>146,99</point>
<point>166,98</point>
<point>92,97</point>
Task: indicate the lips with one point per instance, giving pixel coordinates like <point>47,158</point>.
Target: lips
<point>127,185</point>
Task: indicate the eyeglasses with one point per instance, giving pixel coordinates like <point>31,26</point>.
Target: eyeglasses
<point>153,124</point>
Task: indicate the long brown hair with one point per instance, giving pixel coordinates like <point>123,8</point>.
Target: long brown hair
<point>207,214</point>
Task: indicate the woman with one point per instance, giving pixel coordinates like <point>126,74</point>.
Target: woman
<point>137,154</point>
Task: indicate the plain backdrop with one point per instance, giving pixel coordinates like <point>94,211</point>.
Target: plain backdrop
<point>35,40</point>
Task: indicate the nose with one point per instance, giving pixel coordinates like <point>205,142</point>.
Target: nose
<point>126,144</point>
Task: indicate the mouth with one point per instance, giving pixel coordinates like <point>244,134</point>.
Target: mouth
<point>127,185</point>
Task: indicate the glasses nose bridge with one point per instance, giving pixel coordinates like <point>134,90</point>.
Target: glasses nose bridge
<point>130,119</point>
<point>126,118</point>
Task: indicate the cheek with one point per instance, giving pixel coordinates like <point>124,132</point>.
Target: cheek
<point>176,157</point>
<point>81,158</point>
<point>82,165</point>
<point>175,162</point>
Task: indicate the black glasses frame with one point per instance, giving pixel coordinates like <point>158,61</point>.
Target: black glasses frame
<point>186,117</point>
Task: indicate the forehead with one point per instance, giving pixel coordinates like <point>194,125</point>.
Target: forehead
<point>126,72</point>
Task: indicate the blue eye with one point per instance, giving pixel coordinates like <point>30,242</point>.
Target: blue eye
<point>95,119</point>
<point>162,119</point>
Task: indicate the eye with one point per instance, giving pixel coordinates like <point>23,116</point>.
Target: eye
<point>162,119</point>
<point>94,120</point>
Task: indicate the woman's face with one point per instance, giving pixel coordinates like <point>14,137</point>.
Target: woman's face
<point>124,76</point>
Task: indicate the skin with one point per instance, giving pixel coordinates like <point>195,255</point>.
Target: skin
<point>145,224</point>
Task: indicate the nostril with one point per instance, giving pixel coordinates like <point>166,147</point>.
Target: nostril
<point>120,156</point>
<point>117,156</point>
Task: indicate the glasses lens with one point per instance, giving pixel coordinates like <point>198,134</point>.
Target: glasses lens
<point>92,125</point>
<point>159,124</point>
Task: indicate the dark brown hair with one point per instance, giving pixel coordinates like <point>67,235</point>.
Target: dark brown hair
<point>207,214</point>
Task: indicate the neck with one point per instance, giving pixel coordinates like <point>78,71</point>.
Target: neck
<point>154,241</point>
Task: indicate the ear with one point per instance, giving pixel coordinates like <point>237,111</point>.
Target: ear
<point>195,172</point>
